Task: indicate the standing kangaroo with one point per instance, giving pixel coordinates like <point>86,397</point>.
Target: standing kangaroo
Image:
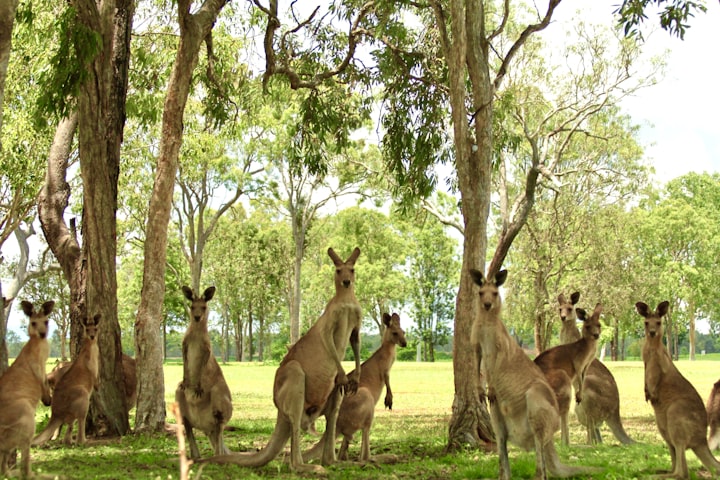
<point>679,411</point>
<point>599,390</point>
<point>129,374</point>
<point>310,380</point>
<point>358,411</point>
<point>22,386</point>
<point>203,395</point>
<point>566,365</point>
<point>71,396</point>
<point>523,408</point>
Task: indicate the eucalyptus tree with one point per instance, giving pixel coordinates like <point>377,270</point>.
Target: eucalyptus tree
<point>433,277</point>
<point>195,26</point>
<point>674,14</point>
<point>678,238</point>
<point>7,21</point>
<point>250,261</point>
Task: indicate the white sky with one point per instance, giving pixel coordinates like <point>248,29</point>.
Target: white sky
<point>679,116</point>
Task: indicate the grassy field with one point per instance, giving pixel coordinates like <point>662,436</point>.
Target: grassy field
<point>415,430</point>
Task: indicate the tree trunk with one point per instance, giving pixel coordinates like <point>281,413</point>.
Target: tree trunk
<point>691,330</point>
<point>101,109</point>
<point>7,20</point>
<point>299,237</point>
<point>251,346</point>
<point>470,421</point>
<point>261,338</point>
<point>194,29</point>
<point>61,238</point>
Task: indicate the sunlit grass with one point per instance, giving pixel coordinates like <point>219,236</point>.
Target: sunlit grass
<point>415,430</point>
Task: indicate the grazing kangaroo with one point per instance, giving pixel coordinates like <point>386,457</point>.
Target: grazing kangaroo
<point>358,411</point>
<point>310,380</point>
<point>22,385</point>
<point>71,397</point>
<point>600,391</point>
<point>566,365</point>
<point>713,416</point>
<point>679,411</point>
<point>203,395</point>
<point>523,408</point>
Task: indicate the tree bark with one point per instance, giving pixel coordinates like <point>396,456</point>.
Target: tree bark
<point>151,392</point>
<point>7,21</point>
<point>101,108</point>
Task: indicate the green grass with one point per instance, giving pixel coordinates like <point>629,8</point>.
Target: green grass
<point>415,430</point>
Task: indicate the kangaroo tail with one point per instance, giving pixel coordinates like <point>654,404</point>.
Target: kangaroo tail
<point>49,431</point>
<point>560,470</point>
<point>265,455</point>
<point>706,457</point>
<point>618,430</point>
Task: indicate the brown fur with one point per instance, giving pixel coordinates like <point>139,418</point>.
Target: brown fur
<point>71,397</point>
<point>566,365</point>
<point>22,386</point>
<point>713,415</point>
<point>310,380</point>
<point>523,407</point>
<point>129,373</point>
<point>599,390</point>
<point>357,412</point>
<point>679,411</point>
<point>203,395</point>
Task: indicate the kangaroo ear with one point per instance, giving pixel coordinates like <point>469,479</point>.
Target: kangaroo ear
<point>334,256</point>
<point>96,318</point>
<point>27,307</point>
<point>581,313</point>
<point>353,256</point>
<point>209,293</point>
<point>500,277</point>
<point>395,318</point>
<point>642,309</point>
<point>598,310</point>
<point>662,309</point>
<point>575,297</point>
<point>387,319</point>
<point>477,277</point>
<point>187,291</point>
<point>561,299</point>
<point>47,307</point>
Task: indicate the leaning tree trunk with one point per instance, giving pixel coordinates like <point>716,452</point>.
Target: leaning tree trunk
<point>101,109</point>
<point>194,29</point>
<point>61,238</point>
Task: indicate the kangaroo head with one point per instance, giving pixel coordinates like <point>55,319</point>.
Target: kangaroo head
<point>38,319</point>
<point>567,308</point>
<point>489,289</point>
<point>198,306</point>
<point>653,319</point>
<point>591,325</point>
<point>393,332</point>
<point>90,327</point>
<point>344,271</point>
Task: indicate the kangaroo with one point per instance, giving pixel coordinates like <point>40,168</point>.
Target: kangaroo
<point>358,411</point>
<point>310,380</point>
<point>129,373</point>
<point>679,411</point>
<point>523,408</point>
<point>599,390</point>
<point>713,415</point>
<point>22,385</point>
<point>567,364</point>
<point>71,397</point>
<point>203,395</point>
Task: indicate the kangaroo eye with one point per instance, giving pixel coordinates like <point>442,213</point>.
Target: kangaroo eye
<point>337,271</point>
